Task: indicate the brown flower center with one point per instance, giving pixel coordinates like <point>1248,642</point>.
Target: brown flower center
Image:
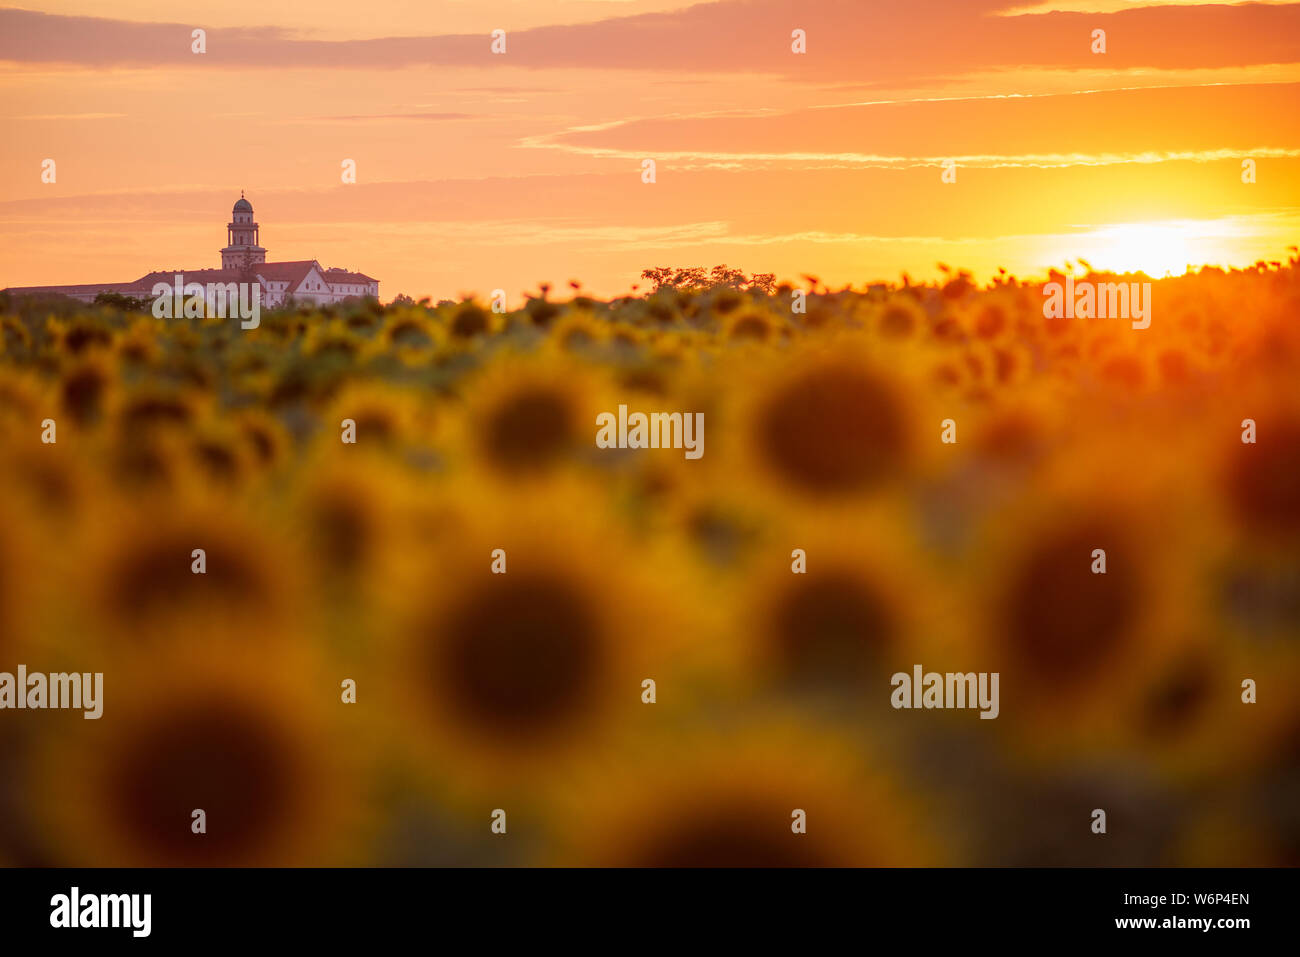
<point>529,431</point>
<point>520,654</point>
<point>833,430</point>
<point>216,755</point>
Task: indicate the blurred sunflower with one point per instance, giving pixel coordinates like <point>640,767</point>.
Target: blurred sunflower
<point>753,324</point>
<point>578,330</point>
<point>19,573</point>
<point>828,423</point>
<point>151,407</point>
<point>899,317</point>
<point>410,335</point>
<point>1259,481</point>
<point>509,671</point>
<point>1017,435</point>
<point>332,340</point>
<point>14,336</point>
<point>1074,643</point>
<point>140,582</point>
<point>1188,718</point>
<point>245,736</point>
<point>524,417</point>
<point>219,453</point>
<point>140,344</point>
<point>720,800</point>
<point>49,481</point>
<point>22,403</point>
<point>352,519</point>
<point>469,322</point>
<point>833,608</point>
<point>85,389</point>
<point>81,335</point>
<point>387,418</point>
<point>264,437</point>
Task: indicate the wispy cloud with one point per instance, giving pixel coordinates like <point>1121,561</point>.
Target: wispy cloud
<point>846,40</point>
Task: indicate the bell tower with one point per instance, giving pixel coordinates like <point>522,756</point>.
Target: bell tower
<point>241,238</point>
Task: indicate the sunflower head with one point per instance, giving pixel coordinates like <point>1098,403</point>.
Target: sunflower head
<point>900,317</point>
<point>1260,482</point>
<point>149,582</point>
<point>244,739</point>
<point>470,321</point>
<point>84,387</point>
<point>533,635</point>
<point>1062,621</point>
<point>751,324</point>
<point>831,425</point>
<point>779,796</point>
<point>527,418</point>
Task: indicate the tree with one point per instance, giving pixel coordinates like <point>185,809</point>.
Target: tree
<point>125,303</point>
<point>698,279</point>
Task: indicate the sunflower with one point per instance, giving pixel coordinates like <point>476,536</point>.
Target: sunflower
<point>219,453</point>
<point>1075,644</point>
<point>1259,481</point>
<point>52,481</point>
<point>829,423</point>
<point>19,575</point>
<point>23,403</point>
<point>578,330</point>
<point>626,338</point>
<point>1004,443</point>
<point>332,340</point>
<point>411,335</point>
<point>831,609</point>
<point>141,584</point>
<point>14,336</point>
<point>733,800</point>
<point>1189,721</point>
<point>899,317</point>
<point>139,344</point>
<point>469,321</point>
<point>150,408</point>
<point>386,417</point>
<point>509,672</point>
<point>246,737</point>
<point>84,389</point>
<point>149,461</point>
<point>753,324</point>
<point>525,418</point>
<point>265,439</point>
<point>355,521</point>
<point>78,336</point>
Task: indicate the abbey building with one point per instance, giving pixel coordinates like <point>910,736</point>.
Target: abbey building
<point>242,260</point>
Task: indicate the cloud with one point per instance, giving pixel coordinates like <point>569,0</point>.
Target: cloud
<point>402,116</point>
<point>1081,128</point>
<point>847,40</point>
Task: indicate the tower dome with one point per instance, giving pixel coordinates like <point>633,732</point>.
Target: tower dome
<point>242,247</point>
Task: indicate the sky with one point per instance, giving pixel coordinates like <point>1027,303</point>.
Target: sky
<point>477,171</point>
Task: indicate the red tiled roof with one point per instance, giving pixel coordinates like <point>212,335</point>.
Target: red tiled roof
<point>193,275</point>
<point>72,290</point>
<point>342,275</point>
<point>294,272</point>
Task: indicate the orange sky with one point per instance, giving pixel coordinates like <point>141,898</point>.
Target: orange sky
<point>478,171</point>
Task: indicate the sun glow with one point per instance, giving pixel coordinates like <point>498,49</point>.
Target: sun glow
<point>1167,248</point>
<point>1157,249</point>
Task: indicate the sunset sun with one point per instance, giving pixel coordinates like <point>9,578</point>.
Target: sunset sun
<point>1162,248</point>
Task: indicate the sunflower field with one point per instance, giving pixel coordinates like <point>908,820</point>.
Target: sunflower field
<point>365,590</point>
